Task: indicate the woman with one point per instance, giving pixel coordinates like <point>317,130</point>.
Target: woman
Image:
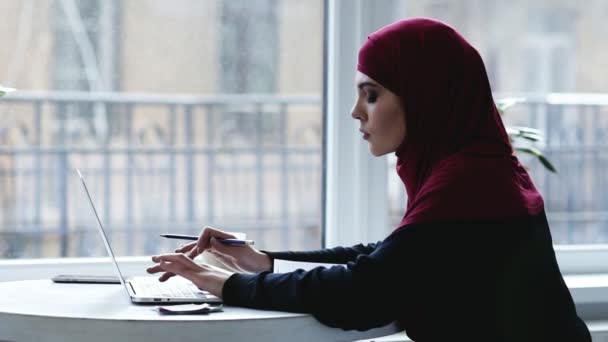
<point>471,260</point>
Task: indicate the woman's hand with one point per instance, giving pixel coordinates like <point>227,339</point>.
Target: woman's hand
<point>236,258</point>
<point>204,276</point>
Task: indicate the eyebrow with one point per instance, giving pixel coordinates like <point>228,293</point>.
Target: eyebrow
<point>366,84</point>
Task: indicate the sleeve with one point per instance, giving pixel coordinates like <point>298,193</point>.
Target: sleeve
<point>337,255</point>
<point>369,292</point>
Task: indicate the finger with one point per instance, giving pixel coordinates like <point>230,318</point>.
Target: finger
<point>167,257</point>
<point>173,267</point>
<point>224,247</point>
<point>186,248</point>
<point>204,240</point>
<point>166,276</point>
<point>194,252</point>
<point>154,269</point>
<point>177,258</point>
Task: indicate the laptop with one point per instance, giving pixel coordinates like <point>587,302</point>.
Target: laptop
<point>142,290</point>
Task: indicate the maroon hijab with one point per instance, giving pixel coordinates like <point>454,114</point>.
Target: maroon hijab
<point>456,160</point>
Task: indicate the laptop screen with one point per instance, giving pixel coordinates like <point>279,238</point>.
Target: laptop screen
<point>103,234</point>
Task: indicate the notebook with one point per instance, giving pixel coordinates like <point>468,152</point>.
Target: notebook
<point>148,289</point>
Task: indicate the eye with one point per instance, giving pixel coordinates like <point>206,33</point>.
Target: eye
<point>371,96</point>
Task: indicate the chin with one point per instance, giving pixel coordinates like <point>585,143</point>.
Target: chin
<point>377,152</point>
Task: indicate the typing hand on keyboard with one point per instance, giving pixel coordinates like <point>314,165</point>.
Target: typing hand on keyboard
<point>204,276</point>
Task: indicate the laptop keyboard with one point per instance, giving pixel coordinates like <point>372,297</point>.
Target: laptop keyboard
<point>153,289</point>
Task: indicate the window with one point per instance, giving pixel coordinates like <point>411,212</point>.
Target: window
<point>165,147</point>
<point>180,114</point>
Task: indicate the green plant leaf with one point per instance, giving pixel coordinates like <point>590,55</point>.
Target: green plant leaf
<point>524,133</point>
<point>520,132</point>
<point>504,104</point>
<point>527,129</point>
<point>543,160</point>
<point>5,90</point>
<point>531,137</point>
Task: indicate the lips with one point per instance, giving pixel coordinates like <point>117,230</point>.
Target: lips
<point>365,134</point>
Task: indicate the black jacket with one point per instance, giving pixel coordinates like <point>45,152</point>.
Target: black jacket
<point>468,281</point>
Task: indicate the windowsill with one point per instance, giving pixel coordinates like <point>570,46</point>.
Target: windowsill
<point>588,288</point>
<point>29,269</point>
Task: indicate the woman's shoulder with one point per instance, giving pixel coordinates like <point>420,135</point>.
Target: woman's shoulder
<point>470,231</point>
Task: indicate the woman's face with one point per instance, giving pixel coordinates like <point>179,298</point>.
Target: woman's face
<point>381,116</point>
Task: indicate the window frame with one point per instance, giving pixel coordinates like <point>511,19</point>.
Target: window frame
<point>352,214</point>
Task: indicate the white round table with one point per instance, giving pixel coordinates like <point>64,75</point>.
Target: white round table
<point>40,310</point>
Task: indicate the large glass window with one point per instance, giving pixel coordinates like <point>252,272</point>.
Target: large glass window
<point>180,114</point>
<point>533,49</point>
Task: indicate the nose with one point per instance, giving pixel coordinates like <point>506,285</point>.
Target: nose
<point>356,113</point>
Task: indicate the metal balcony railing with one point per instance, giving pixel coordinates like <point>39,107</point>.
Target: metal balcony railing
<point>157,163</point>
